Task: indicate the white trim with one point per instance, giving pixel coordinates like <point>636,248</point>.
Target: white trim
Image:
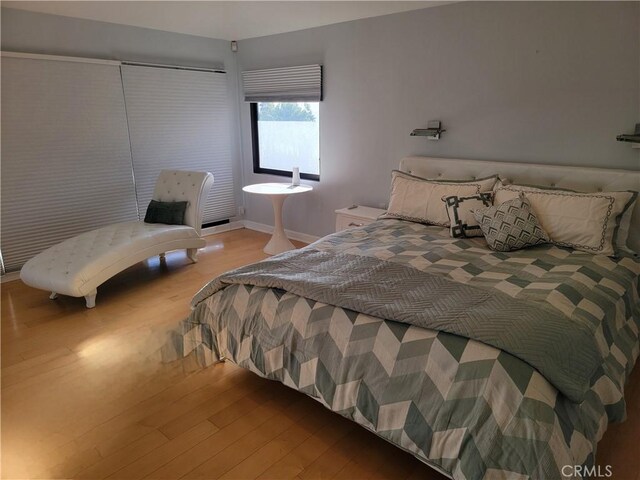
<point>62,58</point>
<point>175,67</point>
<point>59,58</point>
<point>10,277</point>
<point>222,228</point>
<point>261,227</point>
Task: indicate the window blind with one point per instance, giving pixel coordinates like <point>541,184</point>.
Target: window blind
<point>180,119</point>
<point>288,84</point>
<point>66,164</point>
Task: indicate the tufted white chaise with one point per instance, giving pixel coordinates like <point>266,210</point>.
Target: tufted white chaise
<point>77,266</point>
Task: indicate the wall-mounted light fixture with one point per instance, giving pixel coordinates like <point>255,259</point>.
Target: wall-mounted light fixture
<point>633,138</point>
<point>432,132</point>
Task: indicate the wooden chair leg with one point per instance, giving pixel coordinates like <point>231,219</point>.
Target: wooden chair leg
<point>192,253</point>
<point>53,295</point>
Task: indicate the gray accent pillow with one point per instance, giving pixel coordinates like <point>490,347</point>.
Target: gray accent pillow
<point>512,225</point>
<point>169,213</point>
<point>460,211</point>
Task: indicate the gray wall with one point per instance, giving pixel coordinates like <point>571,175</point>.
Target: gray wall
<point>543,82</point>
<point>31,32</point>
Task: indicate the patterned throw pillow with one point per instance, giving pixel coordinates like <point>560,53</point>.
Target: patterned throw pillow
<point>460,211</point>
<point>512,225</point>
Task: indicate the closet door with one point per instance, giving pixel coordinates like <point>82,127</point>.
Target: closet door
<point>66,162</point>
<point>180,119</point>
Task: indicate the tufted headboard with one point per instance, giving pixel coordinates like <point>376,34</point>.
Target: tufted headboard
<point>575,178</point>
<point>180,185</point>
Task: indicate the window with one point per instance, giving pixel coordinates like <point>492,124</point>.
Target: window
<point>286,135</point>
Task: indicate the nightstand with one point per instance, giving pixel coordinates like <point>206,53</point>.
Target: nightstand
<point>356,217</point>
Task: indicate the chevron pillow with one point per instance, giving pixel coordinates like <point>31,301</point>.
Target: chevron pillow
<point>512,225</point>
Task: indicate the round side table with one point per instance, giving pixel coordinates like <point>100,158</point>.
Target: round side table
<point>278,192</point>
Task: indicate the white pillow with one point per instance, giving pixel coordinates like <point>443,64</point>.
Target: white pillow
<point>420,200</point>
<point>584,221</point>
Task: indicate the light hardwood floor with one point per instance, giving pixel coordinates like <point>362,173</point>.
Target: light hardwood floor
<point>84,394</point>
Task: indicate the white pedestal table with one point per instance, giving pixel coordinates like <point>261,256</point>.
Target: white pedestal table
<point>278,192</point>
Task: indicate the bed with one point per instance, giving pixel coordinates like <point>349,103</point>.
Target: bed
<point>410,333</point>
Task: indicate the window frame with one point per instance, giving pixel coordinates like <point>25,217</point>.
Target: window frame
<point>255,145</point>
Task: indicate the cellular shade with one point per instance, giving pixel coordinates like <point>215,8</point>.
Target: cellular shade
<point>66,164</point>
<point>288,84</point>
<point>180,119</point>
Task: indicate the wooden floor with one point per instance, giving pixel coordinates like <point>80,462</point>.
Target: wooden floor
<point>84,394</point>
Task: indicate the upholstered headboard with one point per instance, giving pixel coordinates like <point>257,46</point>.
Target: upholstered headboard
<point>180,185</point>
<point>575,178</point>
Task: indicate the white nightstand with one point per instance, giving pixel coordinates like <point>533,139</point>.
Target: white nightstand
<point>356,217</point>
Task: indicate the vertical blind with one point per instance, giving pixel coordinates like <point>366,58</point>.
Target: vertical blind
<point>287,84</point>
<point>74,133</point>
<point>180,117</point>
<point>66,165</point>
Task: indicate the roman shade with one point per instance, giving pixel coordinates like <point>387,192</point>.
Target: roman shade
<point>287,84</point>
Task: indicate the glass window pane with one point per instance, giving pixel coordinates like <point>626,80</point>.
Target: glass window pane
<point>289,136</point>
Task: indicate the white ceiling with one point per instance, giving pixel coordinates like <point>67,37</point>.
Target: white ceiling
<point>230,20</point>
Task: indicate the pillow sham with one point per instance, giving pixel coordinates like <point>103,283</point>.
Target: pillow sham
<point>512,225</point>
<point>420,200</point>
<point>460,213</point>
<point>589,222</point>
<point>169,213</point>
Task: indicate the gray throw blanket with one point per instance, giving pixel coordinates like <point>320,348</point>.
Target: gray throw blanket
<point>563,351</point>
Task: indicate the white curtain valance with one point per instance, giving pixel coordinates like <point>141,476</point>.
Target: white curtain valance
<point>287,84</point>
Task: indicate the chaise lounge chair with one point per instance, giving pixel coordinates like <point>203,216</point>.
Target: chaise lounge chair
<point>77,266</point>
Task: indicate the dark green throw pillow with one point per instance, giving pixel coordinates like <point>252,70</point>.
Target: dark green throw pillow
<point>170,213</point>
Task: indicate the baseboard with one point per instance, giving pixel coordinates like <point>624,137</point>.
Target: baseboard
<point>261,227</point>
<point>223,228</point>
<point>10,277</point>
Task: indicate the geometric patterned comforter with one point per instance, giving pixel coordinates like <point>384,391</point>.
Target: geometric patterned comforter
<point>466,408</point>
